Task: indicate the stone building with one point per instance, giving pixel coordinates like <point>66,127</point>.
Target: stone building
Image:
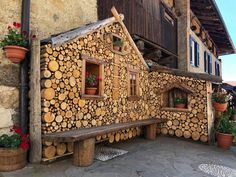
<point>173,53</point>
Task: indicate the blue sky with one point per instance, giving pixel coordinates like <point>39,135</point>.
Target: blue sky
<point>228,11</point>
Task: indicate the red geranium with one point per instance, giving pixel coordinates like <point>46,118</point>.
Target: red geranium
<point>24,145</point>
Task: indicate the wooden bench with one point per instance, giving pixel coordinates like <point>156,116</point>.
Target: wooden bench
<point>84,139</point>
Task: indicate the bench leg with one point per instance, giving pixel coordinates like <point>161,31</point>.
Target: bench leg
<point>151,132</point>
<point>84,152</point>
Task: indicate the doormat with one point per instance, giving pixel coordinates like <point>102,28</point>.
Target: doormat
<point>104,153</point>
<point>217,170</point>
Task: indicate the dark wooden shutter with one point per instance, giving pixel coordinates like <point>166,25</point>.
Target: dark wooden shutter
<point>196,54</point>
<point>205,62</point>
<point>190,49</point>
<point>209,64</point>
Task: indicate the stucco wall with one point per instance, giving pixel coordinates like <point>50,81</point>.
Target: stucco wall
<point>48,17</point>
<point>56,16</point>
<point>202,48</point>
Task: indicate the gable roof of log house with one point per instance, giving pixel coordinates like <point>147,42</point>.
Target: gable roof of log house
<point>73,34</point>
<point>210,17</point>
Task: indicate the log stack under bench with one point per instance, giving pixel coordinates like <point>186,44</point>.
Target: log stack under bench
<point>84,139</point>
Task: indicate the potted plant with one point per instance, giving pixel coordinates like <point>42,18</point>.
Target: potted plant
<point>220,100</point>
<point>226,131</point>
<point>117,44</point>
<point>14,43</point>
<point>180,102</point>
<point>13,150</point>
<point>91,83</point>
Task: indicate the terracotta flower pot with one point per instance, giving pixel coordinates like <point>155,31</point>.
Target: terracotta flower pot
<point>220,107</point>
<point>15,53</point>
<point>116,48</point>
<point>12,159</point>
<point>90,90</point>
<point>180,105</point>
<point>224,141</point>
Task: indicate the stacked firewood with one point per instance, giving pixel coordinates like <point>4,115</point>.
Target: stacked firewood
<point>191,122</point>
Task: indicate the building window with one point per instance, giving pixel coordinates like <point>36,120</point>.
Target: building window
<point>217,69</point>
<point>92,77</point>
<point>133,84</point>
<point>207,63</point>
<point>174,97</point>
<point>194,52</point>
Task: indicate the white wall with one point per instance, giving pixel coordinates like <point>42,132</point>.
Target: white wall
<point>203,48</point>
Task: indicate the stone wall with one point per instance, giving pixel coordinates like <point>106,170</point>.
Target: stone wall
<point>48,17</point>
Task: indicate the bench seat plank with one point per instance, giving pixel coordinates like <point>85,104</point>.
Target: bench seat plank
<point>86,133</point>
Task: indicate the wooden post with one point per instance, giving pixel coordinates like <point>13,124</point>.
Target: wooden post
<point>35,104</point>
<point>151,132</point>
<point>84,152</point>
<point>210,113</point>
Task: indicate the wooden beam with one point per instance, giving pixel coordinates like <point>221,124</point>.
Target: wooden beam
<point>35,103</point>
<point>178,72</point>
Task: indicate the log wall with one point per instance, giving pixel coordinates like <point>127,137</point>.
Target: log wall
<point>64,107</point>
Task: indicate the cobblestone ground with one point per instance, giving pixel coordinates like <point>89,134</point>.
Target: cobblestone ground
<point>165,157</point>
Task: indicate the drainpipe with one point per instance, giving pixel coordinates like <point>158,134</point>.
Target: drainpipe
<point>24,70</point>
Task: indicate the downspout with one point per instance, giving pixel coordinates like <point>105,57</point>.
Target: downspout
<point>24,70</point>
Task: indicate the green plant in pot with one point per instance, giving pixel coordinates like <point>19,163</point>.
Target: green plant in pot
<point>13,150</point>
<point>14,43</point>
<point>117,44</point>
<point>180,102</point>
<point>226,131</point>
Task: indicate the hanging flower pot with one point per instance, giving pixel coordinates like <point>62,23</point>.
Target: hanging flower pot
<point>15,53</point>
<point>14,43</point>
<point>220,107</point>
<point>91,90</point>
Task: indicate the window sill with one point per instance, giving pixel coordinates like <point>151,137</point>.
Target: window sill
<point>133,98</point>
<point>92,97</point>
<point>175,109</point>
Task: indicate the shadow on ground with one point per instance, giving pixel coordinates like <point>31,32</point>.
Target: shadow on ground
<point>165,157</point>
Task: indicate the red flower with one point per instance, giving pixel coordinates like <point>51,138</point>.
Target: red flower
<point>16,129</point>
<point>18,25</point>
<point>24,138</point>
<point>99,78</point>
<point>25,33</point>
<point>14,23</point>
<point>24,145</point>
<point>33,36</point>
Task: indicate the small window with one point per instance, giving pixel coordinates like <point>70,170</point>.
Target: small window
<point>217,69</point>
<point>92,78</point>
<point>133,84</point>
<point>175,98</point>
<point>207,62</point>
<point>117,44</point>
<point>194,52</point>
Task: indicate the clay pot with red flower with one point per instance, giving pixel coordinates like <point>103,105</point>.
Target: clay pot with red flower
<point>92,82</point>
<point>180,103</point>
<point>226,131</point>
<point>220,100</point>
<point>13,150</point>
<point>14,44</point>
